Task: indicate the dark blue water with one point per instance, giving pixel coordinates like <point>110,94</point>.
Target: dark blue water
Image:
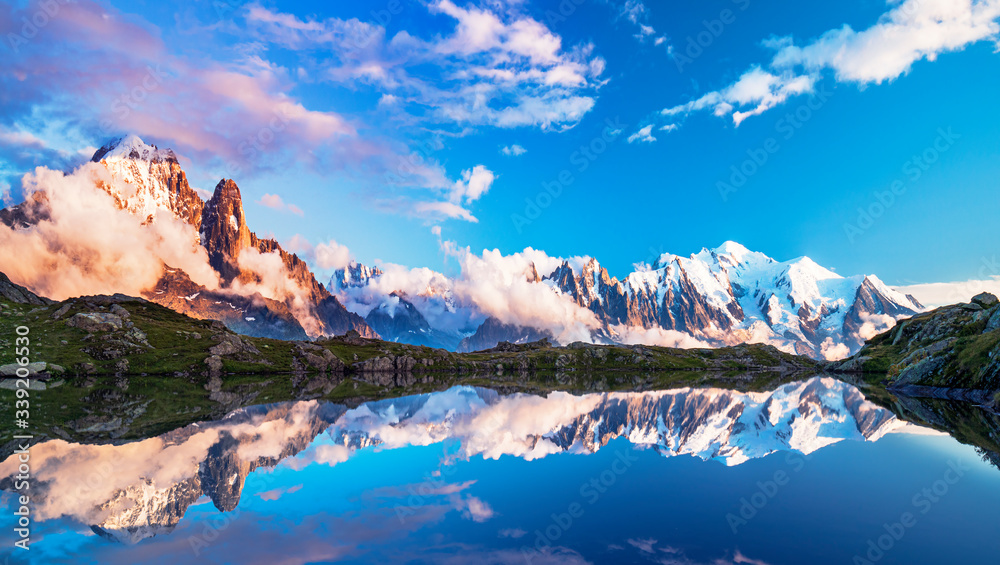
<point>469,477</point>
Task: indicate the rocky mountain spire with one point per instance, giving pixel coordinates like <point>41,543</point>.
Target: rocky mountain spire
<point>224,232</point>
<point>160,184</point>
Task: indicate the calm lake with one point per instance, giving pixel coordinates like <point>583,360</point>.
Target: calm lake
<point>809,473</point>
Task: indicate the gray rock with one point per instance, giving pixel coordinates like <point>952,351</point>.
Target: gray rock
<point>851,364</point>
<point>117,310</point>
<point>214,364</point>
<point>994,322</point>
<point>62,310</point>
<point>985,299</point>
<point>19,294</point>
<point>95,322</point>
<point>11,369</point>
<point>231,344</point>
<point>137,335</point>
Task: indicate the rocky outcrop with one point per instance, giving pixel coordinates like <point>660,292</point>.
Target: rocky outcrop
<point>952,347</point>
<point>251,315</point>
<point>91,322</point>
<point>224,232</point>
<point>18,294</point>
<point>318,358</point>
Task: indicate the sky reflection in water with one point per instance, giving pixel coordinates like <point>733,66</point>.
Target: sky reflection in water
<point>809,473</point>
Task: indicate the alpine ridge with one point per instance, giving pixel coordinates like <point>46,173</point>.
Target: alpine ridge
<point>717,297</point>
<point>723,296</point>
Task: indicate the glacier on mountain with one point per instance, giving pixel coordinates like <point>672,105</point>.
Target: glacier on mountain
<point>723,296</point>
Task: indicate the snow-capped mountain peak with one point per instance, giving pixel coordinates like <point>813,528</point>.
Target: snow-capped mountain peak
<point>145,180</point>
<point>132,147</point>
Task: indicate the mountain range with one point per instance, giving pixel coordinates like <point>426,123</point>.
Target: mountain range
<point>722,296</point>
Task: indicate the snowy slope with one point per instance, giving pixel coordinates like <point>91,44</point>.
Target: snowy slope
<point>145,180</point>
<point>722,296</point>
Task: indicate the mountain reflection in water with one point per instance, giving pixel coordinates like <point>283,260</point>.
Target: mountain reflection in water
<point>142,489</point>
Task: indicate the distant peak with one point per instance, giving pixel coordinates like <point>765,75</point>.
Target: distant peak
<point>132,147</point>
<point>734,254</point>
<point>811,268</point>
<point>732,248</point>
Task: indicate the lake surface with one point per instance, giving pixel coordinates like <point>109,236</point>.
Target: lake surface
<point>811,472</point>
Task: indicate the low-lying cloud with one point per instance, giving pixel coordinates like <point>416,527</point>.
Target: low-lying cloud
<point>89,246</point>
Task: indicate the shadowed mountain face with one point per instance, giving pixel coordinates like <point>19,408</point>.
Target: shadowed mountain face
<point>493,331</point>
<point>146,181</point>
<point>399,320</point>
<point>141,489</point>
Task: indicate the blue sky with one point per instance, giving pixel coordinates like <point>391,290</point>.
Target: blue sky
<point>340,97</point>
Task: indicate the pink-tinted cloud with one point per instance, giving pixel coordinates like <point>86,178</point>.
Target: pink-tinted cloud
<point>275,494</point>
<point>275,202</point>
